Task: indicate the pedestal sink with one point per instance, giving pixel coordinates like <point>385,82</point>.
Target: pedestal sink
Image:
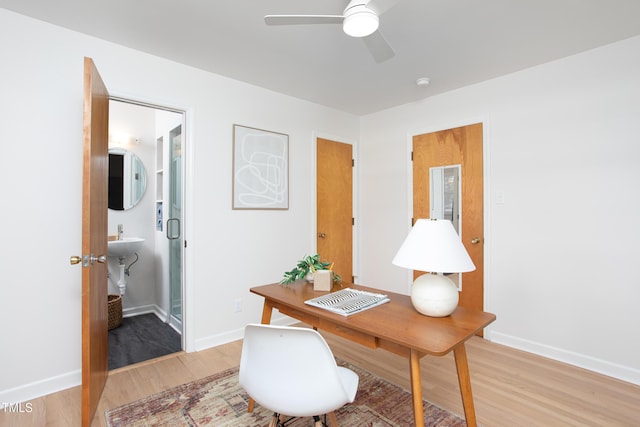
<point>122,249</point>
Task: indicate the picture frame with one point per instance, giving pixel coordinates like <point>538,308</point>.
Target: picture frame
<point>260,169</point>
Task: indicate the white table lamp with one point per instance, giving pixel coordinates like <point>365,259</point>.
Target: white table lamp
<point>434,246</point>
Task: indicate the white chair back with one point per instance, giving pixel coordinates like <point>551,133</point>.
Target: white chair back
<point>292,371</point>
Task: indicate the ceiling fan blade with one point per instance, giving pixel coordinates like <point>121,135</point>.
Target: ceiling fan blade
<point>378,46</point>
<point>303,19</point>
<point>381,6</point>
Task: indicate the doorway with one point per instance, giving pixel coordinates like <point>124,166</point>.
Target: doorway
<point>151,139</point>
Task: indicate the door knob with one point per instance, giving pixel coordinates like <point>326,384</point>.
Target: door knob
<point>475,240</point>
<point>101,259</point>
<point>87,259</point>
<point>322,235</point>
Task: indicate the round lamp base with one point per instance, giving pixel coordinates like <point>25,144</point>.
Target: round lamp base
<point>434,295</point>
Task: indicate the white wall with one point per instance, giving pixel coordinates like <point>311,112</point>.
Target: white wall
<point>562,144</point>
<point>41,172</point>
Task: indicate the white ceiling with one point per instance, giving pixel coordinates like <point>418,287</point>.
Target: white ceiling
<point>453,42</point>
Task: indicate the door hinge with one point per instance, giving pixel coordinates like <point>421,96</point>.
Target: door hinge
<point>353,163</point>
<point>353,221</point>
<point>412,156</point>
<point>185,244</point>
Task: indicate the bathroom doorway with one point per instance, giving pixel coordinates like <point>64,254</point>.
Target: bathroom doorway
<point>146,175</point>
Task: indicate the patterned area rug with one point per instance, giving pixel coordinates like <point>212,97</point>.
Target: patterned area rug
<point>219,401</point>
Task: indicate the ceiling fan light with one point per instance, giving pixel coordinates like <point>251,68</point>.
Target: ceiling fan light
<point>361,23</point>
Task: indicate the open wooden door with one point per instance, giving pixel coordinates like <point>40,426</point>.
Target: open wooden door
<point>459,146</point>
<point>95,172</point>
<point>334,205</point>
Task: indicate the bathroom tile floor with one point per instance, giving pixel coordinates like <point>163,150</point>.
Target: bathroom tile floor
<point>141,338</point>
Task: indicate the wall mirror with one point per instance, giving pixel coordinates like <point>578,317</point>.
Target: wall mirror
<point>445,201</point>
<point>127,179</point>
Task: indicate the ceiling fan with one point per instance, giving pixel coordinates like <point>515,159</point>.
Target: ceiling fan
<point>359,19</point>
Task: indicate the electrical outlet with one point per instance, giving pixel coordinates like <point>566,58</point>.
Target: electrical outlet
<point>238,305</point>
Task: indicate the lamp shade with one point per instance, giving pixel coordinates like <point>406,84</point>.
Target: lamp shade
<point>434,246</point>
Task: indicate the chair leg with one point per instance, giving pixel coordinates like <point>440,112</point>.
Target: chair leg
<point>333,419</point>
<point>275,420</point>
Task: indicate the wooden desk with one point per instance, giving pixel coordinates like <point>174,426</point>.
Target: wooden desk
<point>395,326</point>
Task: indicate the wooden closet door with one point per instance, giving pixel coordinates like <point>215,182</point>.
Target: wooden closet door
<point>334,205</point>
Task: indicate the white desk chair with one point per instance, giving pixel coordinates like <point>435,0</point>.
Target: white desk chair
<point>291,371</point>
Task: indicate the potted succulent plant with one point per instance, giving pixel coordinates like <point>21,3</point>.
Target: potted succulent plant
<point>305,268</point>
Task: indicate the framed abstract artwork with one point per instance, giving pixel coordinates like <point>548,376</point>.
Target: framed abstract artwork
<point>260,169</point>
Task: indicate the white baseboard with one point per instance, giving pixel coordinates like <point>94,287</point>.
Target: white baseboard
<point>41,388</point>
<point>27,392</point>
<point>237,334</point>
<point>144,309</point>
<point>603,367</point>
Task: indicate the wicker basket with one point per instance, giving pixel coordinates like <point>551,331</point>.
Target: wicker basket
<point>115,311</point>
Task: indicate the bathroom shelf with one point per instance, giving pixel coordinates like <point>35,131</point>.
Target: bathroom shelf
<point>159,182</point>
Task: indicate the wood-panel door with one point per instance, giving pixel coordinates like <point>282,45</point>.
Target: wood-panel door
<point>334,205</point>
<point>458,146</point>
<point>95,172</point>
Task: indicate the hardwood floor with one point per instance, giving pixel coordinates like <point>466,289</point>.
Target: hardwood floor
<point>511,388</point>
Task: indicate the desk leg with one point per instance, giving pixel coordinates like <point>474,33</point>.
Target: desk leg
<point>464,380</point>
<point>416,388</point>
<point>267,309</point>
